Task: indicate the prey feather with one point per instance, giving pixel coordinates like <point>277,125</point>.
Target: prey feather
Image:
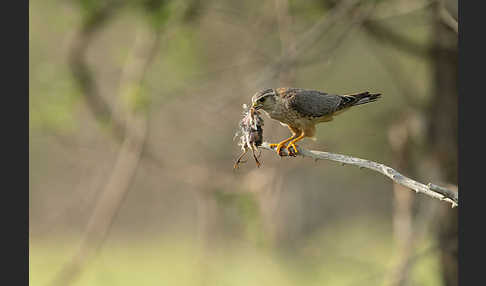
<point>251,134</point>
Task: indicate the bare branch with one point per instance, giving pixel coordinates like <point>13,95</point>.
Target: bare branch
<point>430,190</point>
<point>83,74</point>
<point>386,34</point>
<point>314,34</point>
<point>129,156</point>
<point>305,42</point>
<point>99,107</point>
<point>359,17</point>
<point>448,19</point>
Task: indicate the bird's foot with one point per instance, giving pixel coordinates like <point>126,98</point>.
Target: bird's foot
<point>292,149</point>
<point>279,147</point>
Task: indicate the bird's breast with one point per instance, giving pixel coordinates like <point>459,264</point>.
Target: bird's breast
<point>282,116</point>
<point>291,118</point>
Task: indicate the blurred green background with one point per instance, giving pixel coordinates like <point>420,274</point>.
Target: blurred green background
<point>133,110</point>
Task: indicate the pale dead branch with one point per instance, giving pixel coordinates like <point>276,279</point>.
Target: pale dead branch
<point>430,190</point>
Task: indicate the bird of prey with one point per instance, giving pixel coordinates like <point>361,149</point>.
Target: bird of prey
<point>300,110</point>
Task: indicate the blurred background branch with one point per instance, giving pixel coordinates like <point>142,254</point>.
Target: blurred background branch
<point>134,123</point>
<point>108,116</point>
<point>82,40</point>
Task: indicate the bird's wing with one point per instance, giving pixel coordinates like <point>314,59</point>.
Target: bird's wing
<point>314,103</point>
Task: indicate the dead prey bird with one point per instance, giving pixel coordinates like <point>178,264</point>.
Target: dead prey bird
<point>251,134</point>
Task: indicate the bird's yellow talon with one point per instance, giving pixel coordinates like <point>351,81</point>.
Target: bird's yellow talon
<point>279,147</point>
<point>292,149</point>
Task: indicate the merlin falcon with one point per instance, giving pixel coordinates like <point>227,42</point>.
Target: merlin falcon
<point>300,110</point>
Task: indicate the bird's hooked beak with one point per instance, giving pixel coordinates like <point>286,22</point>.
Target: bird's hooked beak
<point>256,105</point>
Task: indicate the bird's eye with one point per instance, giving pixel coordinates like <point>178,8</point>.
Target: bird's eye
<point>261,99</point>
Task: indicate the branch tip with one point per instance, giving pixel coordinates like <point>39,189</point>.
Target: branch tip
<point>430,189</point>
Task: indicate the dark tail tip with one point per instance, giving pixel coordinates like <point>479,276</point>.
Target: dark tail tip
<point>366,97</point>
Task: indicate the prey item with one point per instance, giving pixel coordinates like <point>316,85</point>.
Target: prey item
<point>251,134</point>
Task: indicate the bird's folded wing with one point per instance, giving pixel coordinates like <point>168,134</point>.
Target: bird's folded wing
<point>314,103</point>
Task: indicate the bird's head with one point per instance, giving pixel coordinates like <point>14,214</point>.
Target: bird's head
<point>264,99</point>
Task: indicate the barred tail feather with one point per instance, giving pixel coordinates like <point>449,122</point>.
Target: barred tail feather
<point>358,99</point>
<point>366,97</point>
